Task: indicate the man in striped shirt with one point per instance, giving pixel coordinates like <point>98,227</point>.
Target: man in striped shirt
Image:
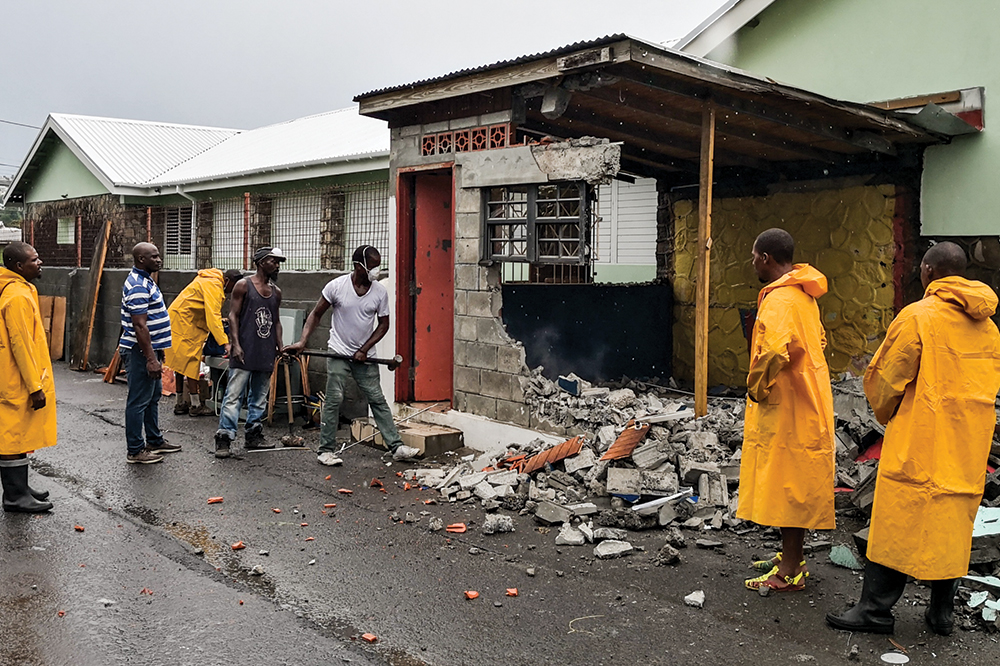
<point>145,334</point>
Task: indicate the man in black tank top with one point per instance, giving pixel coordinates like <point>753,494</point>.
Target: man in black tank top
<point>255,332</point>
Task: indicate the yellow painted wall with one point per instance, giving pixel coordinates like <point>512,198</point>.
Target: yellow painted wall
<point>847,234</point>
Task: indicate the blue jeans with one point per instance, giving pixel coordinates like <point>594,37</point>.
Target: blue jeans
<point>249,387</point>
<point>142,406</point>
<point>367,377</point>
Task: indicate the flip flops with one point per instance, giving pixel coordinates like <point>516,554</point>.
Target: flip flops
<point>778,583</point>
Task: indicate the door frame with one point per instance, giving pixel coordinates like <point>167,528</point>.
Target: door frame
<point>406,296</point>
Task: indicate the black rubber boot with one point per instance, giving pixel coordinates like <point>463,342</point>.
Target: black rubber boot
<point>254,439</point>
<point>873,613</point>
<point>940,614</point>
<point>16,495</point>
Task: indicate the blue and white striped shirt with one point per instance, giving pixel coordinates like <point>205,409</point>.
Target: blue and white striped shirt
<point>141,296</point>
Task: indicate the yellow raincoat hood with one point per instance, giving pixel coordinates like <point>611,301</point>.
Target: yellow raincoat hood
<point>787,470</point>
<point>975,298</point>
<point>934,381</point>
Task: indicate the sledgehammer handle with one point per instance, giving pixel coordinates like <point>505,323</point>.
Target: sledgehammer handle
<point>394,361</point>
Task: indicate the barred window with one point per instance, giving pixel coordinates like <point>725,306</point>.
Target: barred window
<point>545,226</point>
<point>66,231</point>
<point>178,242</point>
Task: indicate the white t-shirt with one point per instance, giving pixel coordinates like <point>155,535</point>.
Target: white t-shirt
<point>354,317</point>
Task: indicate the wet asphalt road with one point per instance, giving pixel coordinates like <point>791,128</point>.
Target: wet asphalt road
<point>351,570</point>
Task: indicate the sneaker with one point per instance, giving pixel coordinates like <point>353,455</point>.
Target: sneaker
<point>255,440</point>
<point>200,410</point>
<point>404,452</point>
<point>221,446</point>
<point>182,408</point>
<point>144,457</point>
<point>329,458</point>
<point>163,447</point>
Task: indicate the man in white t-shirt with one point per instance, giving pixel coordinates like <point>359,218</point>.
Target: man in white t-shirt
<point>358,300</point>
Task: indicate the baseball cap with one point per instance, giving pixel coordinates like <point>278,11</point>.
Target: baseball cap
<point>265,252</point>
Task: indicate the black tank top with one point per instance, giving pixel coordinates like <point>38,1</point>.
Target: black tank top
<point>258,330</point>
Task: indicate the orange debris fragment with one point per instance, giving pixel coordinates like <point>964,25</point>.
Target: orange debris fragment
<point>345,491</point>
<point>61,613</point>
<point>329,476</point>
<point>241,602</point>
<point>399,474</point>
<point>310,538</point>
<point>430,501</point>
<point>329,506</point>
<point>239,545</point>
<point>511,591</point>
<point>276,510</point>
<point>375,484</point>
<point>369,638</point>
<point>303,524</point>
<point>457,528</point>
<point>146,590</point>
<point>215,500</point>
<point>407,486</point>
<point>471,594</point>
<point>78,528</point>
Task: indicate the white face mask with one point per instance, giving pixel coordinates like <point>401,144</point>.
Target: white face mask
<point>372,272</point>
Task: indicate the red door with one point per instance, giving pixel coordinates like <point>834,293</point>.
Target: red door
<point>434,288</point>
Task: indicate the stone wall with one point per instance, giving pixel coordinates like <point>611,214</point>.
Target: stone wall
<point>845,233</point>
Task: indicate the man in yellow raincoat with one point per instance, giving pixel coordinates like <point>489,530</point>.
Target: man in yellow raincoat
<point>194,314</point>
<point>787,469</point>
<point>27,390</point>
<point>934,381</point>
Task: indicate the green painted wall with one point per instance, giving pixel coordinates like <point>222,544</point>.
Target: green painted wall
<point>63,176</point>
<point>865,51</point>
<point>622,274</point>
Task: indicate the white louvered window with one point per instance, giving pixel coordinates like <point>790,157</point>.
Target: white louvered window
<point>178,242</point>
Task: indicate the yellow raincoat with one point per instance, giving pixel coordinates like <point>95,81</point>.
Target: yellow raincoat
<point>196,312</point>
<point>934,381</point>
<point>787,470</point>
<point>25,367</point>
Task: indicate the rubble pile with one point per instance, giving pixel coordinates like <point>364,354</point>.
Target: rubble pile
<point>642,461</point>
<point>980,604</point>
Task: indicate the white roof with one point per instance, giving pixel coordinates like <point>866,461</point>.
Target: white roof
<point>335,136</point>
<point>720,26</point>
<point>134,152</point>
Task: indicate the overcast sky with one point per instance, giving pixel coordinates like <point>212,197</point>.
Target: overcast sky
<point>249,63</point>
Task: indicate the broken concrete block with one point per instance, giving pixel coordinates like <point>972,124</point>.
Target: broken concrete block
<point>497,524</point>
<point>503,491</point>
<point>588,531</point>
<point>561,481</point>
<point>582,508</point>
<point>621,398</point>
<point>539,495</point>
<point>605,533</point>
<point>718,491</point>
<point>507,477</point>
<point>861,541</point>
<point>453,476</point>
<point>484,490</point>
<point>658,483</point>
<point>606,436</point>
<point>717,520</point>
<point>705,490</point>
<point>708,544</point>
<point>436,524</point>
<point>705,439</point>
<point>694,523</point>
<point>552,513</point>
<point>470,481</point>
<point>667,555</point>
<point>666,515</point>
<point>570,536</point>
<point>599,392</point>
<point>624,482</point>
<point>463,495</point>
<point>691,470</point>
<point>611,548</point>
<point>696,599</point>
<point>675,537</point>
<point>581,461</point>
<point>651,455</point>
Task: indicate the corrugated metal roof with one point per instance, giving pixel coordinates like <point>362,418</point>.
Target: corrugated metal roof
<point>133,152</point>
<point>325,138</point>
<point>569,48</point>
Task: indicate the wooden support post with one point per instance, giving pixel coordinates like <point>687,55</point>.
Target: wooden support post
<point>149,224</point>
<point>79,241</point>
<point>80,353</point>
<point>246,232</point>
<point>704,257</point>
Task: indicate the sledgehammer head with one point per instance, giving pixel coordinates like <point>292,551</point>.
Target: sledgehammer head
<point>396,361</point>
<point>292,440</point>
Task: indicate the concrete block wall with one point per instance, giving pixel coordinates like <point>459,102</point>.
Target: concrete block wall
<point>846,233</point>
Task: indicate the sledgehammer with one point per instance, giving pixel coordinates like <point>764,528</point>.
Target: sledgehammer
<point>391,363</point>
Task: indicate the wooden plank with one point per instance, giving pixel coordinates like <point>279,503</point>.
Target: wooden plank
<point>45,309</point>
<point>57,339</point>
<point>80,354</point>
<point>922,100</point>
<point>704,257</point>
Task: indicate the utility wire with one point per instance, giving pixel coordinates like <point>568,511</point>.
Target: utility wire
<point>11,122</point>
